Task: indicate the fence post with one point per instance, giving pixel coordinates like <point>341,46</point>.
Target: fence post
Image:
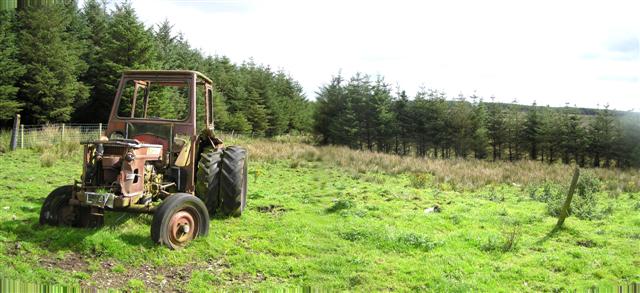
<point>62,137</point>
<point>564,212</point>
<point>14,132</point>
<point>21,136</point>
<point>99,130</point>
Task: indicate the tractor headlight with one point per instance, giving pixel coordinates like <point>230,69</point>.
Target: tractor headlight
<point>130,156</point>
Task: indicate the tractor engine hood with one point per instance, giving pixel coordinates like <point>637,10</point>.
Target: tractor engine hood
<point>118,165</point>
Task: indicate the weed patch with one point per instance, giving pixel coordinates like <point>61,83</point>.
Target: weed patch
<point>339,205</point>
<point>390,241</point>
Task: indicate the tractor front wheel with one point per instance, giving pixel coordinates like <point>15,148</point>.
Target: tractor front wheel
<point>179,219</point>
<point>56,210</point>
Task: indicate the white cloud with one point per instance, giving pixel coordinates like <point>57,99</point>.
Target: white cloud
<point>548,51</point>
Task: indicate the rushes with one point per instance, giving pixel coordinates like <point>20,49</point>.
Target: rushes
<point>461,174</point>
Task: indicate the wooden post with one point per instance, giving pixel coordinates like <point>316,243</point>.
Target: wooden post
<point>99,130</point>
<point>14,132</point>
<point>62,133</point>
<point>21,136</point>
<point>564,212</point>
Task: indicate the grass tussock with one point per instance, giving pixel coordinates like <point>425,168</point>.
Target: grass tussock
<point>505,242</point>
<point>5,141</point>
<point>456,174</point>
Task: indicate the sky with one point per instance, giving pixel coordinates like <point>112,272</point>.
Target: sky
<point>584,53</point>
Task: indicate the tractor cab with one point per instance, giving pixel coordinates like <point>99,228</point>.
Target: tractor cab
<point>166,108</point>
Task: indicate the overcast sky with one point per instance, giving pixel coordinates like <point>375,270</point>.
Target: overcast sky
<point>553,52</point>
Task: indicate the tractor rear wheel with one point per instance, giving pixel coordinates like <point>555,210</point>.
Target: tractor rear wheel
<point>180,218</point>
<point>233,181</point>
<point>208,178</point>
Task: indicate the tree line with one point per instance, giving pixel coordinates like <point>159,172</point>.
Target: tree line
<point>61,63</point>
<point>367,114</point>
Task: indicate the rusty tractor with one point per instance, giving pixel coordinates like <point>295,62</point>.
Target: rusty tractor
<point>159,156</point>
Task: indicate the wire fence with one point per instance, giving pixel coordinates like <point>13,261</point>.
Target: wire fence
<point>29,136</point>
<point>46,135</point>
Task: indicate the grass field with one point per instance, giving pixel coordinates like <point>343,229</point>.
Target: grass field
<point>332,218</point>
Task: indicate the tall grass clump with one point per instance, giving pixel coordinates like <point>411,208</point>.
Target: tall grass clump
<point>48,159</point>
<point>5,141</point>
<point>507,241</point>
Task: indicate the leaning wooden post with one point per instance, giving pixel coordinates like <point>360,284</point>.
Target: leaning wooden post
<point>564,212</point>
<point>14,132</point>
<point>21,136</point>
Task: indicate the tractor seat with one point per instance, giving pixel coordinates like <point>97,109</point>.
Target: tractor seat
<point>152,139</point>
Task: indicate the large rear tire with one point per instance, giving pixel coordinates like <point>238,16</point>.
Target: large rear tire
<point>180,218</point>
<point>208,178</point>
<point>233,181</point>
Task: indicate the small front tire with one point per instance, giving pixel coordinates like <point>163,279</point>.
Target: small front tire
<point>56,210</point>
<point>179,219</point>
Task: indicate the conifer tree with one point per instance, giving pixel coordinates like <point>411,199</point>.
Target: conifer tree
<point>496,129</point>
<point>10,68</point>
<point>51,55</point>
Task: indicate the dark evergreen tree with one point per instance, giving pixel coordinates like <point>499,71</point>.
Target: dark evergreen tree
<point>496,129</point>
<point>97,76</point>
<point>480,131</point>
<point>403,130</point>
<point>51,54</point>
<point>10,68</point>
<point>602,134</point>
<point>531,131</point>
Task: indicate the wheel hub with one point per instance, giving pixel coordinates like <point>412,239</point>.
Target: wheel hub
<point>182,228</point>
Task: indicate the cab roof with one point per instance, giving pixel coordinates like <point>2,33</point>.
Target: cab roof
<point>168,73</point>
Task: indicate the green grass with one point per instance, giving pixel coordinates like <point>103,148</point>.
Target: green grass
<point>310,223</point>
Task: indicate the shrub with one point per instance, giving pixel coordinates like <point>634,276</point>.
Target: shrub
<point>548,193</point>
<point>420,180</point>
<point>584,204</point>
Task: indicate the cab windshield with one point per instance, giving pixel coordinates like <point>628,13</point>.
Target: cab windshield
<point>157,99</point>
